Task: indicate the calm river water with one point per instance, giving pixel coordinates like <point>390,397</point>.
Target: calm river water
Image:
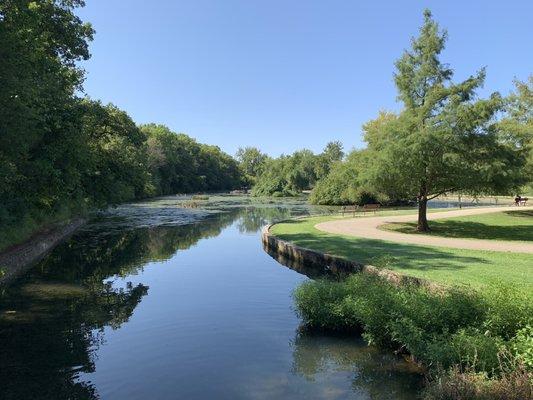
<point>154,301</point>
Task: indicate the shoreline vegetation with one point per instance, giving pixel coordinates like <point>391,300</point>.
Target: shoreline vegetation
<point>473,340</point>
<point>17,259</point>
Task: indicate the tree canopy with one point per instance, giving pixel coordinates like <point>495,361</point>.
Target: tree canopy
<point>289,175</point>
<point>344,183</point>
<point>40,45</point>
<point>445,139</point>
<point>517,125</point>
<point>252,163</point>
<point>179,164</point>
<point>61,154</point>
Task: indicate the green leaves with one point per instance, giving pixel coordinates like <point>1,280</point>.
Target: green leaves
<point>40,139</point>
<point>59,152</point>
<point>445,139</point>
<point>178,164</point>
<point>289,175</point>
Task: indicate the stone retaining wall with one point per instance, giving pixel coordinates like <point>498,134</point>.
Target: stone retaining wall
<point>20,258</point>
<point>283,250</point>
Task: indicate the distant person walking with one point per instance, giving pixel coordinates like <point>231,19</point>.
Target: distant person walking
<point>517,200</point>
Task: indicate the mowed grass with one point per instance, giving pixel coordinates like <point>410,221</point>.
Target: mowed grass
<point>505,225</point>
<point>443,265</point>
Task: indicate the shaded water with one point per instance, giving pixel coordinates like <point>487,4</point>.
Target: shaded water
<point>152,301</point>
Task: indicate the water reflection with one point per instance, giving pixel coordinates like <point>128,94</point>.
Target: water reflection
<point>312,271</point>
<point>54,321</point>
<point>51,332</point>
<point>374,374</point>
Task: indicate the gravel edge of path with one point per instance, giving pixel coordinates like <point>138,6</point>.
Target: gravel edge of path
<point>368,228</point>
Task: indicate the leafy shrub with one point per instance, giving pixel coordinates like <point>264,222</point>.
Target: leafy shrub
<point>467,348</point>
<point>457,327</point>
<point>508,310</point>
<point>522,346</point>
<point>318,303</point>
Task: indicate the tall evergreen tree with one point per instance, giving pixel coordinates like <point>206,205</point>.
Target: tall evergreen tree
<point>445,139</point>
<point>517,126</point>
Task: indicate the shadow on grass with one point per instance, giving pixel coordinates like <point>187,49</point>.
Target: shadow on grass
<point>520,213</point>
<point>470,230</point>
<point>385,254</point>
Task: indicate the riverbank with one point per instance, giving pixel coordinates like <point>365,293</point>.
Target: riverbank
<point>288,253</point>
<point>473,344</point>
<point>17,259</point>
<point>474,337</point>
<point>23,246</point>
<point>447,266</point>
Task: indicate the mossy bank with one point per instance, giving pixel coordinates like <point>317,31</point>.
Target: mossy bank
<point>18,259</point>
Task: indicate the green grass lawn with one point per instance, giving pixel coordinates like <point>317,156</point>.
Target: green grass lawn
<point>505,225</point>
<point>443,265</point>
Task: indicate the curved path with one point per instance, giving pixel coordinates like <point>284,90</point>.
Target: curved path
<point>367,227</point>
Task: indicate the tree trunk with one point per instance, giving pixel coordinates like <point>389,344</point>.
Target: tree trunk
<point>423,225</point>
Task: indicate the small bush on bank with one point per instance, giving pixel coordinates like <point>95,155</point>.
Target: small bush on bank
<point>508,310</point>
<point>459,327</point>
<point>318,303</point>
<point>522,346</point>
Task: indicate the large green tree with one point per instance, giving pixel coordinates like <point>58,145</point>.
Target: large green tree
<point>332,154</point>
<point>252,162</point>
<point>517,125</point>
<point>343,184</point>
<point>40,45</point>
<point>445,138</point>
<point>114,166</point>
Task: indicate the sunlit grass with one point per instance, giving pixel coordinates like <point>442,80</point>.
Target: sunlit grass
<point>505,225</point>
<point>445,265</point>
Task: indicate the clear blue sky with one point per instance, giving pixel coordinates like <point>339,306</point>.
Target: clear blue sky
<point>283,75</point>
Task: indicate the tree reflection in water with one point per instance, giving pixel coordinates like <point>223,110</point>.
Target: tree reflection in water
<point>52,320</point>
<point>376,375</point>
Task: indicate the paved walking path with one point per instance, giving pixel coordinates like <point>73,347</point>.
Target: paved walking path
<point>367,227</point>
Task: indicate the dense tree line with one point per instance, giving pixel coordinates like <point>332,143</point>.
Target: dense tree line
<point>180,164</point>
<point>288,175</point>
<point>344,184</point>
<point>61,154</point>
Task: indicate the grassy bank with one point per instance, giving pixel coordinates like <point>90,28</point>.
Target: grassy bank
<point>479,340</point>
<point>506,225</point>
<point>476,339</point>
<point>442,265</point>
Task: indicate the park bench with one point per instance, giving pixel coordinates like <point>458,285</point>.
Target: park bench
<point>355,209</point>
<point>371,207</point>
